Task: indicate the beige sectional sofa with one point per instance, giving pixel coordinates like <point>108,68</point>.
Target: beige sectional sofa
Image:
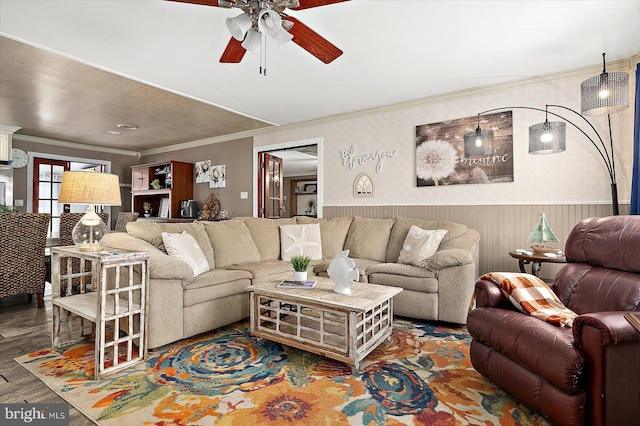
<point>246,251</point>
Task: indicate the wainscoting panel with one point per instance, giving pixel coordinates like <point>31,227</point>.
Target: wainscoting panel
<point>502,228</point>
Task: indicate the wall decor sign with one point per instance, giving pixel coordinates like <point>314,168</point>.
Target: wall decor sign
<point>363,186</point>
<point>202,171</point>
<point>351,160</point>
<point>218,176</point>
<point>440,158</point>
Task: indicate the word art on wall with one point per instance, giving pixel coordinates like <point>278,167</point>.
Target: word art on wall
<point>440,153</point>
<point>351,159</point>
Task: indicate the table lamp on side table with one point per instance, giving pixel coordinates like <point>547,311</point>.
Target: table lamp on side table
<point>89,188</point>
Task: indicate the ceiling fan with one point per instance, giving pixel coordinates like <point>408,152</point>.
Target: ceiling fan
<point>262,17</point>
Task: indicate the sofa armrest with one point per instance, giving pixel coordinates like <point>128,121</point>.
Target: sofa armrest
<point>489,295</point>
<point>161,265</point>
<point>449,257</point>
<point>611,346</point>
<point>612,327</point>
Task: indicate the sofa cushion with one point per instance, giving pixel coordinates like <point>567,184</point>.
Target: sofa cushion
<point>362,264</point>
<point>401,228</point>
<point>420,245</point>
<point>265,270</point>
<point>368,238</point>
<point>215,285</point>
<point>266,235</point>
<point>151,232</point>
<point>184,247</point>
<point>333,233</point>
<point>449,257</point>
<point>408,277</point>
<point>231,242</point>
<point>300,240</point>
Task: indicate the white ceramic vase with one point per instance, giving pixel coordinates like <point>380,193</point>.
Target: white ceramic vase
<point>299,276</point>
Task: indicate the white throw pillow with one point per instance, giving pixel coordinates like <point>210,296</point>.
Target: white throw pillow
<point>184,247</point>
<point>301,240</point>
<point>420,245</point>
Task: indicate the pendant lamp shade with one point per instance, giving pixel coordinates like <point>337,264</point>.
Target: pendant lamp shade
<point>606,93</point>
<point>549,137</point>
<point>269,22</point>
<point>478,143</point>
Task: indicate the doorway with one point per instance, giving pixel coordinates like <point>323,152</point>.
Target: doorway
<point>300,184</point>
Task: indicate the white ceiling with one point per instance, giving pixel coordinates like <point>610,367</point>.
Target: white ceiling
<point>394,51</point>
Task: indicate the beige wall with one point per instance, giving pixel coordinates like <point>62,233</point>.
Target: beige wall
<point>576,176</point>
<point>236,155</point>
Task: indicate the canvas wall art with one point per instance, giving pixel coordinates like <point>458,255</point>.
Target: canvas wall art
<point>218,176</point>
<point>202,171</point>
<point>440,154</point>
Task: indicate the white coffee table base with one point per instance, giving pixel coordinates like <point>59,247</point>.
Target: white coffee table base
<point>344,328</point>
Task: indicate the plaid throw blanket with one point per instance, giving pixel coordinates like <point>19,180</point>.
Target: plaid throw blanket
<point>532,296</point>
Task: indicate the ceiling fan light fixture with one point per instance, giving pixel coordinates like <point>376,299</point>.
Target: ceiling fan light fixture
<point>252,41</point>
<point>281,37</point>
<point>239,25</point>
<point>269,22</point>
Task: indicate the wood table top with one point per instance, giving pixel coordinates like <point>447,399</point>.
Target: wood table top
<point>363,296</point>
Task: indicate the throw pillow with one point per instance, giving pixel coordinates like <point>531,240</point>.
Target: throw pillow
<point>303,240</point>
<point>533,296</point>
<point>185,247</point>
<point>419,245</point>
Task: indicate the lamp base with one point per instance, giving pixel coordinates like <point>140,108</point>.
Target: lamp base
<point>89,231</point>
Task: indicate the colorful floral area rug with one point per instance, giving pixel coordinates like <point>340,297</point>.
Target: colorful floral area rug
<point>424,377</point>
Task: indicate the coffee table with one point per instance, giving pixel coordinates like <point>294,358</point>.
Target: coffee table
<point>318,320</point>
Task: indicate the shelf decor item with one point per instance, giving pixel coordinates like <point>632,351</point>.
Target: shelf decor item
<point>300,263</point>
<point>343,272</point>
<point>542,234</point>
<point>89,188</point>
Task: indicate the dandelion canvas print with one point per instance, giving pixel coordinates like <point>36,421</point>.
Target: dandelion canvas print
<point>440,158</point>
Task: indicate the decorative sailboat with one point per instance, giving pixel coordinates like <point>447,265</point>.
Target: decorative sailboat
<point>542,234</point>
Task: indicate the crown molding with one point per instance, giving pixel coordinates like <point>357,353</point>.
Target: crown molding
<point>74,145</point>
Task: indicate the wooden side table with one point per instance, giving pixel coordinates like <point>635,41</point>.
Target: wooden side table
<point>108,298</point>
<point>536,261</point>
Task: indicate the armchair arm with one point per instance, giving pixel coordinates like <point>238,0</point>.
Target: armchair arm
<point>489,295</point>
<point>611,346</point>
<point>612,327</point>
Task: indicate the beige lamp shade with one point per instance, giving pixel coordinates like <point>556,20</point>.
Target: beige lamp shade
<point>90,188</point>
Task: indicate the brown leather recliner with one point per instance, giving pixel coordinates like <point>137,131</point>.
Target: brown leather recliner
<point>588,374</point>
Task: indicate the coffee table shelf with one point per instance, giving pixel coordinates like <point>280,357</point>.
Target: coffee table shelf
<point>345,328</point>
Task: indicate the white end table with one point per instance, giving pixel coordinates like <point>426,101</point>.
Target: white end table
<point>115,303</point>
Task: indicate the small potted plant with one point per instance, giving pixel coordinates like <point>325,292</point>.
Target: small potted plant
<point>300,264</point>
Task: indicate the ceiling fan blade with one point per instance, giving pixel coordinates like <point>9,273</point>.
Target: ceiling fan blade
<point>202,2</point>
<point>313,42</point>
<point>233,53</point>
<point>308,4</point>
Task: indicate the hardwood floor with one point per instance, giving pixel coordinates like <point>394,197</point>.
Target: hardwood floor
<point>23,329</point>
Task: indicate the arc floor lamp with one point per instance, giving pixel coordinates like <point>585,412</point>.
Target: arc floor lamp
<point>606,93</point>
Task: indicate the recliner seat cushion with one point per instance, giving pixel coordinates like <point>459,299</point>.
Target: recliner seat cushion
<point>541,348</point>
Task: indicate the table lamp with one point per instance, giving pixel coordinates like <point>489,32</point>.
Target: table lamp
<point>89,188</point>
